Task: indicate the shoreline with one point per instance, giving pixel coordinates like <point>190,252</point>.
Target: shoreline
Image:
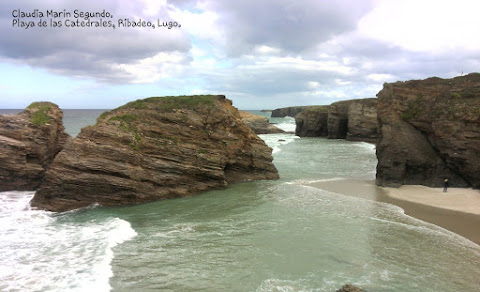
<point>458,210</point>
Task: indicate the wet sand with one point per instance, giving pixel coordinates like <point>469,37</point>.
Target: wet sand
<point>458,210</point>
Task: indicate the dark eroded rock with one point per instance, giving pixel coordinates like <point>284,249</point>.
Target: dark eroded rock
<point>312,122</point>
<point>350,288</point>
<point>354,120</point>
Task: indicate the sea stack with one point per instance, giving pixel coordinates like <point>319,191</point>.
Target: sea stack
<point>429,131</point>
<point>153,149</point>
<point>29,141</point>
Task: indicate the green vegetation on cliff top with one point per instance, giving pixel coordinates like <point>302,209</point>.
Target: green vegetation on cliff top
<point>39,112</point>
<point>165,104</point>
<point>129,116</point>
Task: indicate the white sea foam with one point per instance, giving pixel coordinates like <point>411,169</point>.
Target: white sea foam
<point>280,286</point>
<point>288,125</point>
<point>311,181</point>
<point>366,145</point>
<point>276,141</point>
<point>385,213</point>
<point>54,253</point>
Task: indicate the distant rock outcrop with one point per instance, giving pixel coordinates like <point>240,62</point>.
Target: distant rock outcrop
<point>354,120</point>
<point>291,111</point>
<point>429,131</point>
<point>153,149</point>
<point>350,288</point>
<point>28,142</point>
<point>259,124</point>
<point>312,122</point>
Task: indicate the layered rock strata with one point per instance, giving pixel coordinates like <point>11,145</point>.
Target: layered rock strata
<point>153,149</point>
<point>354,120</point>
<point>429,131</point>
<point>259,124</point>
<point>28,143</point>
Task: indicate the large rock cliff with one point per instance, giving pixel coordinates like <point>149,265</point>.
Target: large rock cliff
<point>354,120</point>
<point>429,131</point>
<point>28,143</point>
<point>152,149</point>
<point>259,124</point>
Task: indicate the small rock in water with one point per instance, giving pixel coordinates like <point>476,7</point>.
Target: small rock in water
<point>350,288</point>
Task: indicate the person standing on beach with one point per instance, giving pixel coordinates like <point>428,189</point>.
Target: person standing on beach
<point>445,185</point>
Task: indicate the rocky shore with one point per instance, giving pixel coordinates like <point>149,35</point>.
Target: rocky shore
<point>153,149</point>
<point>29,142</point>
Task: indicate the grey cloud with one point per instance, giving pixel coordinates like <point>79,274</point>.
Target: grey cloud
<point>294,26</point>
<point>92,52</point>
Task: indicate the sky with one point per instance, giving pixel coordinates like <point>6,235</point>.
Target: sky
<point>262,54</point>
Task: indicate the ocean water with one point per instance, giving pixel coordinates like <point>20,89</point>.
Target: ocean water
<point>255,236</point>
<point>73,119</point>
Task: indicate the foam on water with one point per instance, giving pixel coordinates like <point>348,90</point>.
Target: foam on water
<point>276,141</point>
<point>311,181</point>
<point>44,252</point>
<point>288,124</point>
<point>384,213</point>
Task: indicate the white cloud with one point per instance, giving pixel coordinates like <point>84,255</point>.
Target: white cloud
<point>262,49</point>
<point>427,25</point>
<point>199,23</point>
<point>381,77</point>
<point>149,70</point>
<point>312,84</point>
<point>342,82</point>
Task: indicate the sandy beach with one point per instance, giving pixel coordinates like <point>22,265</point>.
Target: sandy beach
<point>457,210</point>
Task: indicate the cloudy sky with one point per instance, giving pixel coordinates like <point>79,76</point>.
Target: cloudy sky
<point>259,53</point>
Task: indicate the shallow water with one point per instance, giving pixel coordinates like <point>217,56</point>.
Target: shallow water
<point>258,236</point>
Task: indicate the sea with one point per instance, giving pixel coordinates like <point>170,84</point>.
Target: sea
<point>282,235</point>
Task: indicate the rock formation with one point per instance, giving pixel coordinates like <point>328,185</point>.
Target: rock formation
<point>350,288</point>
<point>312,122</point>
<point>362,120</point>
<point>289,111</point>
<point>259,124</point>
<point>430,130</point>
<point>152,149</point>
<point>354,120</point>
<point>28,143</point>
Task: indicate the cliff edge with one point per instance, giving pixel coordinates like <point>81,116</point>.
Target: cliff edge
<point>152,149</point>
<point>28,143</point>
<point>429,131</point>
